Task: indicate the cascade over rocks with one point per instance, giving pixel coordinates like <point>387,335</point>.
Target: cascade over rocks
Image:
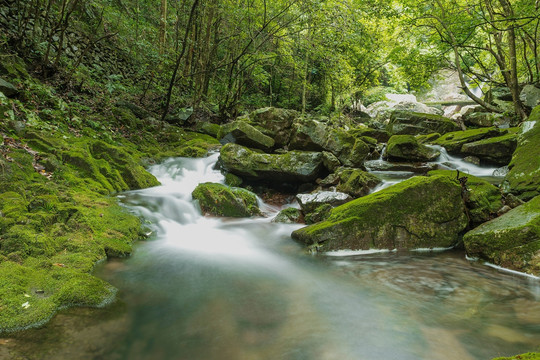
<point>511,240</point>
<point>407,148</point>
<point>293,166</point>
<point>454,141</point>
<point>523,178</point>
<point>417,213</point>
<point>410,123</point>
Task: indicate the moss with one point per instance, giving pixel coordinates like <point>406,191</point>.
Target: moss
<point>321,213</point>
<point>483,199</point>
<point>419,212</point>
<point>523,178</point>
<point>428,139</point>
<point>233,180</point>
<point>453,141</point>
<point>497,150</point>
<point>407,148</point>
<point>356,182</point>
<point>511,240</point>
<point>527,356</point>
<point>288,216</point>
<point>221,200</point>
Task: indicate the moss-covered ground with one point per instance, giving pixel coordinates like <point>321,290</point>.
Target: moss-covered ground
<point>61,162</point>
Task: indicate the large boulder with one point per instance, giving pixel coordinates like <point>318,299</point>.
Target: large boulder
<point>242,133</point>
<point>313,135</point>
<point>292,166</point>
<point>308,135</point>
<point>453,141</point>
<point>418,213</point>
<point>407,148</point>
<point>222,200</point>
<point>530,96</point>
<point>275,123</point>
<point>382,109</point>
<point>497,150</point>
<point>411,123</point>
<point>483,200</point>
<point>511,240</point>
<point>523,178</point>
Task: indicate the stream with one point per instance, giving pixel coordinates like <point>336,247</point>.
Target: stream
<point>229,289</point>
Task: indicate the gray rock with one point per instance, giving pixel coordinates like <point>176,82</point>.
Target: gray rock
<point>242,133</point>
<point>309,202</point>
<point>291,167</point>
<point>530,96</point>
<point>411,123</point>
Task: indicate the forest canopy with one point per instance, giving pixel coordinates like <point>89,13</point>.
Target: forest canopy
<point>311,55</point>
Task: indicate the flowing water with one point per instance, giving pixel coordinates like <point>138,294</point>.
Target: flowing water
<point>229,289</point>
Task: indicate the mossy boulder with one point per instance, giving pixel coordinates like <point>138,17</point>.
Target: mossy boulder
<point>407,148</point>
<point>453,141</point>
<point>292,166</point>
<point>417,213</point>
<point>222,200</point>
<point>523,178</point>
<point>411,123</point>
<point>275,123</point>
<point>308,135</point>
<point>8,89</point>
<point>242,133</point>
<point>380,135</point>
<point>483,199</point>
<point>497,150</point>
<point>289,216</point>
<point>511,240</point>
<point>356,182</point>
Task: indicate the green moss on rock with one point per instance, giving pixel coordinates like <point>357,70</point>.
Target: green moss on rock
<point>419,212</point>
<point>511,240</point>
<point>496,150</point>
<point>407,148</point>
<point>453,141</point>
<point>483,199</point>
<point>523,178</point>
<point>356,182</point>
<point>221,200</point>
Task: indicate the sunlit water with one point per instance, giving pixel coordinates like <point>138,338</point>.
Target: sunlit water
<point>228,289</point>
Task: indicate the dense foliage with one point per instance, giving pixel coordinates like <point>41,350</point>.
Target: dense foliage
<point>233,55</point>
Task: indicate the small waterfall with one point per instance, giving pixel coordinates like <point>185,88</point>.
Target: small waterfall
<point>448,161</point>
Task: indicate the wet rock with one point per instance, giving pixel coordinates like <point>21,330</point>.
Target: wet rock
<point>275,123</point>
<point>242,133</point>
<point>523,178</point>
<point>417,213</point>
<point>502,171</point>
<point>289,216</point>
<point>308,135</point>
<point>330,161</point>
<point>407,148</point>
<point>474,160</point>
<point>511,240</point>
<point>8,89</point>
<point>179,116</point>
<point>320,213</point>
<point>221,200</point>
<point>496,150</point>
<point>309,202</point>
<point>356,182</point>
<point>411,123</point>
<point>530,96</point>
<point>483,199</point>
<point>292,166</point>
<point>453,141</point>
<point>380,135</point>
<point>417,168</point>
